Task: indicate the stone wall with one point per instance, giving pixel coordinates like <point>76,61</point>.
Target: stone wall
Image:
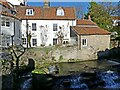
<point>74,53</point>
<point>97,42</point>
<point>58,54</point>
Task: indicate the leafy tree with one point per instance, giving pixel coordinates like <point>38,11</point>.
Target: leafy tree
<point>100,15</point>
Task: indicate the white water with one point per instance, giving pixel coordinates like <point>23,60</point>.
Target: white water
<point>76,83</point>
<point>110,79</point>
<point>26,85</point>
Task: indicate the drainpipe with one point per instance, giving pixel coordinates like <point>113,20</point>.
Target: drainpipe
<point>12,37</point>
<point>27,31</point>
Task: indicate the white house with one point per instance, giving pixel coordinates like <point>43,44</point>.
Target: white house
<point>10,25</point>
<point>116,20</point>
<point>43,23</point>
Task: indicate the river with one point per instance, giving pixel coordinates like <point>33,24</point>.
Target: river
<point>82,75</point>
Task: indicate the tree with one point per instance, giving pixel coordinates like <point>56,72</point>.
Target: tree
<point>18,51</point>
<point>79,12</point>
<point>100,15</point>
<point>111,8</point>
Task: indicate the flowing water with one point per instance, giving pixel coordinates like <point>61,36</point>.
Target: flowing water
<point>26,85</point>
<point>106,79</point>
<point>111,78</point>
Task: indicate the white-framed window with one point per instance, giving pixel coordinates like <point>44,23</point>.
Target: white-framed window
<point>54,41</point>
<point>34,42</point>
<point>84,42</point>
<point>24,41</point>
<point>29,12</point>
<point>55,27</point>
<point>6,23</point>
<point>3,23</point>
<point>33,26</point>
<point>65,42</point>
<point>60,11</point>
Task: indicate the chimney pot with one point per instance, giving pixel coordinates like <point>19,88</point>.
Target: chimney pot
<point>89,17</point>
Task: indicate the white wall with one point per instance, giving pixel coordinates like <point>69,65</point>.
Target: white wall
<point>51,33</point>
<point>10,31</point>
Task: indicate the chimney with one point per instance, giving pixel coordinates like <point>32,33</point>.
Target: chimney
<point>82,17</point>
<point>46,3</point>
<point>89,17</point>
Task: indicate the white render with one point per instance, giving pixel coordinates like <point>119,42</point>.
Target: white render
<point>48,26</point>
<point>6,32</point>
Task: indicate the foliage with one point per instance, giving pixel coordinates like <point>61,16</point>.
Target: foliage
<point>100,15</point>
<point>38,71</point>
<point>60,58</point>
<point>116,29</point>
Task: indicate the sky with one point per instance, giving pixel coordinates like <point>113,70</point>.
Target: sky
<point>83,5</point>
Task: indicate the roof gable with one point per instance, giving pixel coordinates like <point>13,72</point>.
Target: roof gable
<point>45,13</point>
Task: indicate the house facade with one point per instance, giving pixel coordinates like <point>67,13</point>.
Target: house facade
<point>9,26</point>
<point>89,35</point>
<point>45,23</point>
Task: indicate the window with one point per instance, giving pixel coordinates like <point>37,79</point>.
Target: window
<point>34,42</point>
<point>24,40</point>
<point>84,42</point>
<point>8,41</point>
<point>3,23</point>
<point>33,26</point>
<point>55,27</point>
<point>29,12</point>
<point>60,11</point>
<point>54,41</point>
<point>65,42</point>
<point>7,24</point>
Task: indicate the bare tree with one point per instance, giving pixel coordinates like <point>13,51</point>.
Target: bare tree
<point>111,8</point>
<point>79,12</point>
<point>60,36</point>
<point>18,51</point>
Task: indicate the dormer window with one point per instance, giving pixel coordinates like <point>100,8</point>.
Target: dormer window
<point>29,12</point>
<point>60,11</point>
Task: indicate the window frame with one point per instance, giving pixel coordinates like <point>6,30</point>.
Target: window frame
<point>24,41</point>
<point>30,12</point>
<point>84,42</point>
<point>35,28</point>
<point>3,23</point>
<point>60,12</point>
<point>55,27</point>
<point>55,41</point>
<point>7,24</point>
<point>34,43</point>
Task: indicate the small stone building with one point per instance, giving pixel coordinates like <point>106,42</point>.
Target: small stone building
<point>89,35</point>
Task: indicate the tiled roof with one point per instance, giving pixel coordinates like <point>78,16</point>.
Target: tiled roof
<point>5,3</point>
<point>5,13</point>
<point>85,22</point>
<point>45,13</point>
<point>90,30</point>
<point>116,17</point>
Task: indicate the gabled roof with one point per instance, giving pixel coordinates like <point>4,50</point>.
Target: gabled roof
<point>5,13</point>
<point>5,3</point>
<point>45,13</point>
<point>90,30</point>
<point>85,22</point>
